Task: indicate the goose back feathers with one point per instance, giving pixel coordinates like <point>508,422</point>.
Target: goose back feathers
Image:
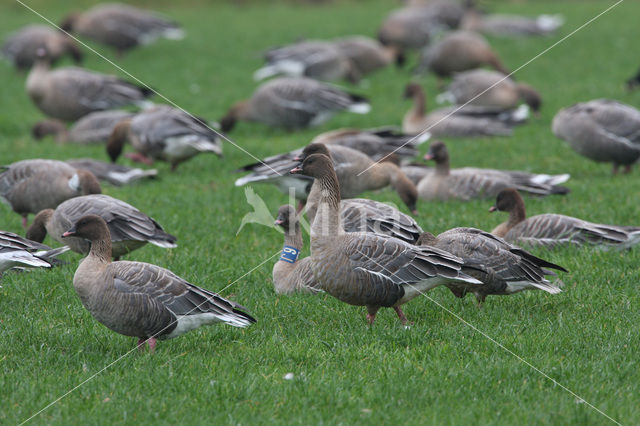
<point>16,251</point>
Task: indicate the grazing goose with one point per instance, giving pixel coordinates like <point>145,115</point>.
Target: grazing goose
<point>115,174</point>
<point>129,228</point>
<point>20,47</point>
<point>471,183</point>
<point>29,186</point>
<point>511,25</point>
<point>317,59</point>
<point>163,133</point>
<point>69,93</point>
<point>509,269</point>
<point>16,251</point>
<point>291,274</point>
<point>140,299</point>
<point>121,26</point>
<point>454,122</point>
<point>459,51</point>
<point>550,230</point>
<point>368,55</point>
<point>603,130</point>
<point>293,103</point>
<point>93,128</point>
<point>366,269</point>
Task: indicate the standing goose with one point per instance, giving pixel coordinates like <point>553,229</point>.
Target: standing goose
<point>30,186</point>
<point>603,130</point>
<point>16,251</point>
<point>140,299</point>
<point>121,26</point>
<point>129,228</point>
<point>115,174</point>
<point>93,128</point>
<point>294,103</point>
<point>366,269</point>
<point>163,133</point>
<point>471,183</point>
<point>509,269</point>
<point>69,93</point>
<point>21,46</point>
<point>550,230</point>
<point>368,55</point>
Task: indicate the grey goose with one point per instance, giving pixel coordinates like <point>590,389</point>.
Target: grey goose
<point>115,174</point>
<point>20,46</point>
<point>368,55</point>
<point>511,25</point>
<point>93,128</point>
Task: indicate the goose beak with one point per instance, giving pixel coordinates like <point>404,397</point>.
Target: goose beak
<point>278,222</point>
<point>296,170</point>
<point>71,232</point>
<point>492,209</point>
<point>298,158</point>
<point>428,157</point>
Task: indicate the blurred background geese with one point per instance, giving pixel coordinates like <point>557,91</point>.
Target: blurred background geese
<point>16,251</point>
<point>510,25</point>
<point>21,46</point>
<point>368,55</point>
<point>93,128</point>
<point>115,174</point>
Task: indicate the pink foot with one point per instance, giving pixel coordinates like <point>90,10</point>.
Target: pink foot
<point>403,318</point>
<point>25,222</point>
<point>139,158</point>
<point>371,318</point>
<point>151,341</point>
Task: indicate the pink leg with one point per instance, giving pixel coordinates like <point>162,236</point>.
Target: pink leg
<point>139,158</point>
<point>152,344</point>
<point>25,222</point>
<point>140,344</point>
<point>627,169</point>
<point>403,318</point>
<point>371,314</point>
<point>300,206</point>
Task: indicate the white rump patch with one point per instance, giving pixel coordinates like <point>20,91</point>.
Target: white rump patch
<point>360,108</point>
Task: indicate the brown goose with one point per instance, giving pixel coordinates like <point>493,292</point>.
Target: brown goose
<point>366,269</point>
<point>163,133</point>
<point>121,26</point>
<point>129,228</point>
<point>550,230</point>
<point>20,47</point>
<point>29,186</point>
<point>140,299</point>
<point>69,93</point>
<point>471,183</point>
<point>368,55</point>
<point>603,130</point>
<point>511,25</point>
<point>93,128</point>
<point>291,274</point>
<point>507,269</point>
<point>294,103</point>
<point>115,174</point>
<point>19,252</point>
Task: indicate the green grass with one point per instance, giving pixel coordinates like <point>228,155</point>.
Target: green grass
<point>437,371</point>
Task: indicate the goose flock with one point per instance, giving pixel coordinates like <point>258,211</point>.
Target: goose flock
<point>362,252</point>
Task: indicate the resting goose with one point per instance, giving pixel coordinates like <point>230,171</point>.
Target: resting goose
<point>511,25</point>
<point>550,230</point>
<point>20,47</point>
<point>454,122</point>
<point>121,26</point>
<point>603,130</point>
<point>115,174</point>
<point>508,269</point>
<point>368,55</point>
<point>163,133</point>
<point>292,103</point>
<point>471,183</point>
<point>93,128</point>
<point>16,251</point>
<point>129,228</point>
<point>140,299</point>
<point>29,186</point>
<point>69,93</point>
<point>366,269</point>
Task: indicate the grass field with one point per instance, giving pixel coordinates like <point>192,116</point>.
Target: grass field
<point>437,371</point>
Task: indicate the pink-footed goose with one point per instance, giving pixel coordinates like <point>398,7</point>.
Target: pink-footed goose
<point>551,230</point>
<point>21,46</point>
<point>140,299</point>
<point>30,186</point>
<point>507,269</point>
<point>511,25</point>
<point>603,130</point>
<point>115,174</point>
<point>19,252</point>
<point>293,103</point>
<point>472,183</point>
<point>93,128</point>
<point>366,269</point>
<point>129,228</point>
<point>368,55</point>
<point>121,26</point>
<point>69,93</point>
<point>163,133</point>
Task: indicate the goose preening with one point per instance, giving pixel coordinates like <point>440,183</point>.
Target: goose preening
<point>507,269</point>
<point>16,251</point>
<point>470,183</point>
<point>550,230</point>
<point>69,93</point>
<point>163,133</point>
<point>368,55</point>
<point>293,103</point>
<point>511,25</point>
<point>30,186</point>
<point>140,299</point>
<point>366,269</point>
<point>115,174</point>
<point>93,128</point>
<point>129,228</point>
<point>458,122</point>
<point>603,130</point>
<point>121,26</point>
<point>21,46</point>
